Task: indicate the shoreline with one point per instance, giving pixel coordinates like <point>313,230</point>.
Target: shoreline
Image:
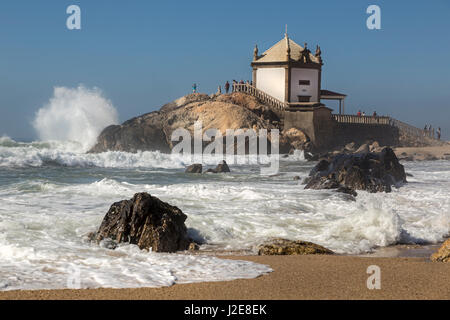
<point>406,271</point>
<point>297,277</point>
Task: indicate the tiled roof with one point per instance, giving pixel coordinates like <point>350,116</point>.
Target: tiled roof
<point>277,53</point>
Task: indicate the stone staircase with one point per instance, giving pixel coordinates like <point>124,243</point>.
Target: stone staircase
<point>261,95</point>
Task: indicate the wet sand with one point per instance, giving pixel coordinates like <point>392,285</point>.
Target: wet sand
<point>294,277</point>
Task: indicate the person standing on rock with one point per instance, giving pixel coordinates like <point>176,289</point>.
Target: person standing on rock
<point>194,88</point>
<point>359,113</point>
<point>227,87</point>
<point>439,133</point>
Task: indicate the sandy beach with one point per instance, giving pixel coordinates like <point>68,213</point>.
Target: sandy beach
<point>424,153</point>
<point>294,277</point>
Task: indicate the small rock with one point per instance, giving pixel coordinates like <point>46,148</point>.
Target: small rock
<point>193,246</point>
<point>347,190</point>
<point>311,157</point>
<point>443,254</point>
<point>350,147</point>
<point>363,149</point>
<point>194,168</point>
<point>289,247</point>
<point>296,178</point>
<point>221,168</point>
<point>108,244</point>
<point>375,147</point>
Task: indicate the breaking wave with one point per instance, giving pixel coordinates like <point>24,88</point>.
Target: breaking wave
<point>75,114</point>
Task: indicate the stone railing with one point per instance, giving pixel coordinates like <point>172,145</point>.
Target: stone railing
<point>404,128</point>
<point>261,95</point>
<point>347,118</point>
<point>410,130</point>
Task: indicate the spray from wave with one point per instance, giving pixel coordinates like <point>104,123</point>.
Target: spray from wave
<point>75,114</point>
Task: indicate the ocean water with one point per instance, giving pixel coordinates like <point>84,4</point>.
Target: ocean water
<point>52,195</point>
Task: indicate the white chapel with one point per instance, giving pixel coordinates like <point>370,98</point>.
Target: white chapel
<point>292,74</point>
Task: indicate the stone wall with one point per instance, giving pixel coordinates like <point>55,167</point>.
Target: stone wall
<point>345,133</point>
<point>325,132</point>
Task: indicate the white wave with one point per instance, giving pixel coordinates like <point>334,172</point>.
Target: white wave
<point>125,267</point>
<point>221,213</point>
<point>71,154</point>
<point>75,114</point>
<point>37,154</point>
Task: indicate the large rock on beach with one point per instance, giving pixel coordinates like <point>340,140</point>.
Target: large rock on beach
<point>147,222</point>
<point>153,131</point>
<point>373,172</point>
<point>443,254</point>
<point>289,247</point>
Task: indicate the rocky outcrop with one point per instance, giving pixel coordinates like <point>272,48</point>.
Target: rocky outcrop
<point>289,247</point>
<point>147,222</point>
<point>373,172</point>
<point>153,131</point>
<point>296,138</point>
<point>194,168</point>
<point>443,254</point>
<point>145,133</point>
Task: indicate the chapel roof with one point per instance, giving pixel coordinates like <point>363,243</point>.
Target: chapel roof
<point>277,53</point>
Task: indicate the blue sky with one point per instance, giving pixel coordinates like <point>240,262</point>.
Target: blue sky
<point>142,54</point>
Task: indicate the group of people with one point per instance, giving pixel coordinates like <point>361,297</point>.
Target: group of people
<point>430,132</point>
<point>363,114</point>
<point>227,86</point>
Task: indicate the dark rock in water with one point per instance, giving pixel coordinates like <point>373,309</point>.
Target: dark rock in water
<point>296,178</point>
<point>108,244</point>
<point>288,247</point>
<point>194,168</point>
<point>347,190</point>
<point>221,168</point>
<point>374,172</point>
<point>193,246</point>
<point>311,157</point>
<point>147,222</point>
